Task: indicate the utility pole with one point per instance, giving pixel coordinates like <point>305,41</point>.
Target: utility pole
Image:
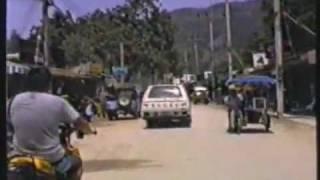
<point>212,50</point>
<point>37,52</point>
<point>229,40</point>
<point>212,46</point>
<point>196,55</point>
<point>186,61</point>
<point>122,59</point>
<point>45,7</point>
<point>211,42</point>
<point>279,56</point>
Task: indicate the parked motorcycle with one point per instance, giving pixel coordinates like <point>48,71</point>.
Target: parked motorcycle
<point>36,168</point>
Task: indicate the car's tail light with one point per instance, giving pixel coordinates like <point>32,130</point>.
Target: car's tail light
<point>145,105</point>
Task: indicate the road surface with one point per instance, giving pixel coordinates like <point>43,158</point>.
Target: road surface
<point>125,150</point>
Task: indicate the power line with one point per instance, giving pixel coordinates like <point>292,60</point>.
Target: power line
<point>300,24</point>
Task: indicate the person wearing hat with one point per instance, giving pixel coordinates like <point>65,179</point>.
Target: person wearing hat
<point>233,101</point>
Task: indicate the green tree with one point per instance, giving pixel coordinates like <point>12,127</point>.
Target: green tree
<point>13,44</point>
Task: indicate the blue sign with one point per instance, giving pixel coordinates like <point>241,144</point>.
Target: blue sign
<point>119,72</point>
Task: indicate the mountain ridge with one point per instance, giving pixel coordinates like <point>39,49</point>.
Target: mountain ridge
<point>246,24</point>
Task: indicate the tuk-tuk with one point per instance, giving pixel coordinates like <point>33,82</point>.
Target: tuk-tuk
<point>128,101</point>
<point>255,104</point>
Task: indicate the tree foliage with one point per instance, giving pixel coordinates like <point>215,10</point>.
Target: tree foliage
<point>13,42</point>
<point>142,26</point>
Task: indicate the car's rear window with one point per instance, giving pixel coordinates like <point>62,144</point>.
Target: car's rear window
<point>165,92</point>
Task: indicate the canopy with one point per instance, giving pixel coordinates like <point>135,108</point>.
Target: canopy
<point>255,81</point>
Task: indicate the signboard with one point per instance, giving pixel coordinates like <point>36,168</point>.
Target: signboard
<point>96,69</point>
<point>15,56</point>
<point>119,72</point>
<point>189,78</point>
<point>207,75</point>
<point>310,57</point>
<point>260,60</point>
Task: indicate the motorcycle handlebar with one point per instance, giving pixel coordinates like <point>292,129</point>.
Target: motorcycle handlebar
<point>69,129</point>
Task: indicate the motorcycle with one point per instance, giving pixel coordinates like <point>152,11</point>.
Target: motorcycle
<point>28,167</point>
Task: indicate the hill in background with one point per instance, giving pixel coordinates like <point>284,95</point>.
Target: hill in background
<point>246,22</point>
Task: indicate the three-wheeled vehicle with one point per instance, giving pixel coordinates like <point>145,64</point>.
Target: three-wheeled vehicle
<point>128,101</point>
<point>255,90</point>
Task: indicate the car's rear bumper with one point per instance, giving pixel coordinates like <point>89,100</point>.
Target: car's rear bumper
<point>166,115</point>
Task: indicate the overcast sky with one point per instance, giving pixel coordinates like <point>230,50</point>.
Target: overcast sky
<point>22,14</point>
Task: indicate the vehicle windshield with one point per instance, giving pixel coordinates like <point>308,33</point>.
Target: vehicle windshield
<point>165,92</point>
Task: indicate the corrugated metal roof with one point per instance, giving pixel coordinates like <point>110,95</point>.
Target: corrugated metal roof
<point>67,73</point>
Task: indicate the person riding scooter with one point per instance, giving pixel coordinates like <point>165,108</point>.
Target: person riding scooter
<point>33,124</point>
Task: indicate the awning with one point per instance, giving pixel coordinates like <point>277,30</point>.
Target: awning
<point>67,73</point>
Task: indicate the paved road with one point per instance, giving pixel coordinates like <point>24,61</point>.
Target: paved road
<point>124,150</point>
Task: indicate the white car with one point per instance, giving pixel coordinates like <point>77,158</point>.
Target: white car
<point>166,103</point>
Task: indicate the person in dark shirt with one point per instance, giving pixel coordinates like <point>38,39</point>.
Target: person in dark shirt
<point>210,91</point>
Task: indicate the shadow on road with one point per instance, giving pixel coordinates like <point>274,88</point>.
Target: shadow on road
<point>256,131</point>
<point>253,131</point>
<point>101,123</point>
<point>117,164</point>
<point>168,126</point>
<point>124,119</point>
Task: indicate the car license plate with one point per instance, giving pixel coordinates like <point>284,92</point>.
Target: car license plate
<point>176,120</point>
<point>165,113</point>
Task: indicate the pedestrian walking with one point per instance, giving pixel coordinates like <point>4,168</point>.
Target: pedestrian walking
<point>210,91</point>
<point>234,102</point>
<point>111,106</point>
<point>90,110</point>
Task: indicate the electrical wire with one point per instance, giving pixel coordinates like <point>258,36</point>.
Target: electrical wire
<point>290,41</point>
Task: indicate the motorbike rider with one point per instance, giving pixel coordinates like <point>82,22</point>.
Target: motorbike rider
<point>33,121</point>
